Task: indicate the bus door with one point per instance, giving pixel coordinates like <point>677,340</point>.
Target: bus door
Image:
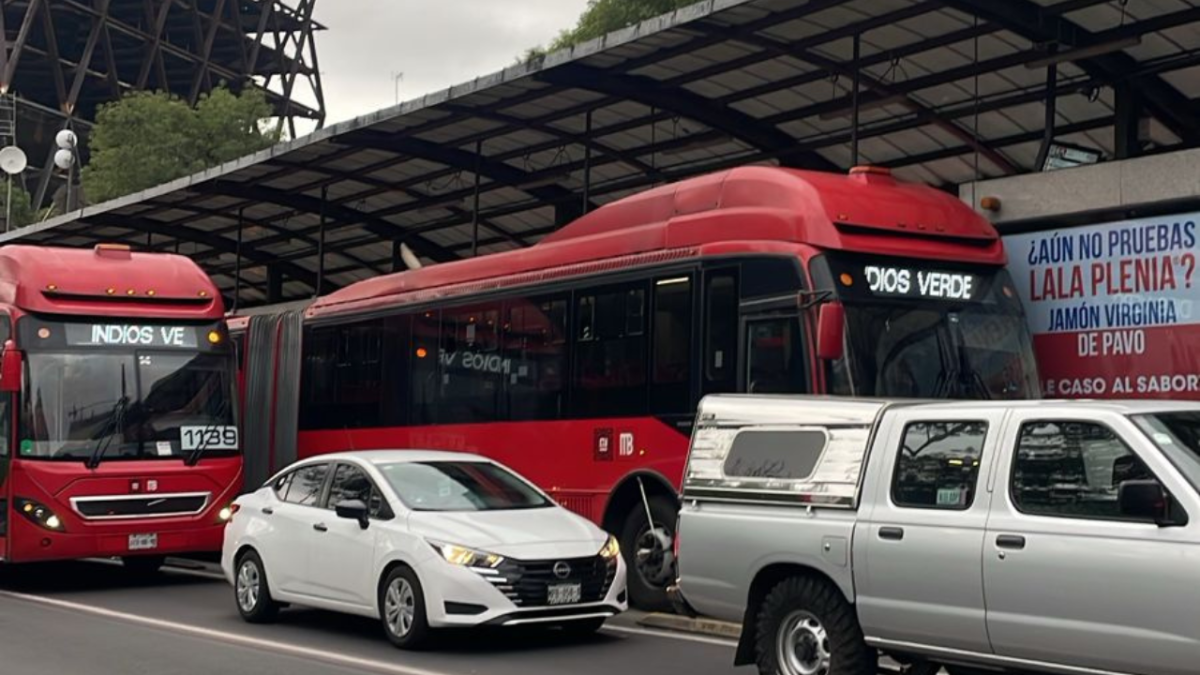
<point>773,355</point>
<point>6,428</point>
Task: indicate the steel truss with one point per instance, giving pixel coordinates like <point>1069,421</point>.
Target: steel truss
<point>69,57</point>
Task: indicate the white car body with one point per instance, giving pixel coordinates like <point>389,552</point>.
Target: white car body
<point>314,558</point>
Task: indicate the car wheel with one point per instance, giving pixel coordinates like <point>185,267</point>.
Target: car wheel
<point>144,564</point>
<point>806,627</point>
<point>251,590</point>
<point>646,549</point>
<point>582,628</point>
<point>402,609</point>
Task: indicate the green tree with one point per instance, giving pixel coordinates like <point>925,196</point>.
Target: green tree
<point>149,138</point>
<point>605,16</point>
<point>22,206</point>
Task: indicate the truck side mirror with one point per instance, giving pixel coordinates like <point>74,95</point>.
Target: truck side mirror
<point>10,368</point>
<point>1146,500</point>
<point>831,330</point>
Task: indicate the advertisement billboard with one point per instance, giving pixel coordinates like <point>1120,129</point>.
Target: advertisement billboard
<point>1113,307</point>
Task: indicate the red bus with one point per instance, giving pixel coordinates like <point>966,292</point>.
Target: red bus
<point>580,361</point>
<point>117,407</point>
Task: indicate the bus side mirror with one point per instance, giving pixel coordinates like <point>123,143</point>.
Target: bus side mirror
<point>831,329</point>
<point>10,368</point>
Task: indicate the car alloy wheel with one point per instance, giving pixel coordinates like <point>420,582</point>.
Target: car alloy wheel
<point>400,607</point>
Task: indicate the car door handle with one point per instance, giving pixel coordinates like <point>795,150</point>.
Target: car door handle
<point>892,533</point>
<point>268,510</point>
<point>320,527</point>
<point>1012,541</point>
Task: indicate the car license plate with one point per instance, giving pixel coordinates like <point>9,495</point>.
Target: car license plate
<point>143,542</point>
<point>564,594</point>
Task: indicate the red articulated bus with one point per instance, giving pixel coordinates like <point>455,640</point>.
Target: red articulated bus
<point>117,407</point>
<point>580,361</point>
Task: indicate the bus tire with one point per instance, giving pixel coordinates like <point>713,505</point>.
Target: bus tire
<point>646,580</point>
<point>806,625</point>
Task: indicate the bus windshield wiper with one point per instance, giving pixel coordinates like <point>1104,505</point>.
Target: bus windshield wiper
<point>114,426</point>
<point>198,452</point>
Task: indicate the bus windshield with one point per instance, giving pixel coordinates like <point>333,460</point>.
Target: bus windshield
<point>915,332</point>
<point>119,403</point>
<point>932,352</point>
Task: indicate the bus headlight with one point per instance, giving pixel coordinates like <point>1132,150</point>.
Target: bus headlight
<point>225,514</point>
<point>39,514</point>
<point>612,548</point>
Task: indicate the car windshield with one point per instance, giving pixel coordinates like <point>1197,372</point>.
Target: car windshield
<point>460,486</point>
<point>135,404</point>
<point>1177,434</point>
<point>914,350</point>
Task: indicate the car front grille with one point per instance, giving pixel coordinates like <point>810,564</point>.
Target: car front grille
<point>526,582</point>
<point>114,507</point>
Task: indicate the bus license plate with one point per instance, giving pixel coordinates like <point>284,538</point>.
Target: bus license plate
<point>564,594</point>
<point>143,542</point>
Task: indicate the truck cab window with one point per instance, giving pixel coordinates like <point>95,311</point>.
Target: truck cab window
<point>1072,470</point>
<point>938,465</point>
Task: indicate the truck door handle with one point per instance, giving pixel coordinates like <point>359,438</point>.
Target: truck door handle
<point>320,527</point>
<point>268,510</point>
<point>892,533</point>
<point>1013,541</point>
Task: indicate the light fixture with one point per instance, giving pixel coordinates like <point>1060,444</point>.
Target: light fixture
<point>1082,53</point>
<point>847,111</point>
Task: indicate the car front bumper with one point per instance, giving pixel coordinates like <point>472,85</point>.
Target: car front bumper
<point>461,597</point>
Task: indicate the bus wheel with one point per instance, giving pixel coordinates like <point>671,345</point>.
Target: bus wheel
<point>144,564</point>
<point>649,558</point>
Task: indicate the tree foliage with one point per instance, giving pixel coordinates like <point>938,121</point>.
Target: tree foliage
<point>22,206</point>
<point>149,138</point>
<point>605,16</point>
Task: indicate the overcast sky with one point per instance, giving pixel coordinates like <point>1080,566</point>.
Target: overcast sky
<point>435,43</point>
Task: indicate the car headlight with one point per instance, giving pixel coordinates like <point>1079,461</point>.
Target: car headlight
<point>39,514</point>
<point>612,548</point>
<point>466,557</point>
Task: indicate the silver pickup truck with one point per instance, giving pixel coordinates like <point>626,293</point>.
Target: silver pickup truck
<point>1045,537</point>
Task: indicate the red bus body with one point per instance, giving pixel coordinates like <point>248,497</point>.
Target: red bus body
<point>787,243</point>
<point>69,320</point>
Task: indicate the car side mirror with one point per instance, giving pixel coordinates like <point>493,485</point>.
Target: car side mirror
<point>10,368</point>
<point>1146,500</point>
<point>353,509</point>
<point>831,328</point>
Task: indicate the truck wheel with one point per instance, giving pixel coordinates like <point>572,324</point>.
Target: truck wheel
<point>649,557</point>
<point>806,627</point>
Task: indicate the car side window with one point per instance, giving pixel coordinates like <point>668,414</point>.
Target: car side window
<point>306,485</point>
<point>938,465</point>
<point>349,483</point>
<point>280,485</point>
<point>1073,470</point>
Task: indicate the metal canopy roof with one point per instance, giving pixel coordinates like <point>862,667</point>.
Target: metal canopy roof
<point>951,91</point>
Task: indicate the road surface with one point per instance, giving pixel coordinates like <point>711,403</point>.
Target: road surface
<point>94,618</point>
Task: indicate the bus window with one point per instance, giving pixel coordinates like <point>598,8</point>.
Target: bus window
<point>473,371</point>
<point>610,352</point>
<point>671,391</point>
<point>774,356</point>
<point>720,332</point>
<point>343,377</point>
<point>535,353</point>
<point>426,382</point>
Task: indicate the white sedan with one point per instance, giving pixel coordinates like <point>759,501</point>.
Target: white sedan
<point>421,540</point>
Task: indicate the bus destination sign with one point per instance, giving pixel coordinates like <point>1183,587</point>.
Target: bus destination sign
<point>923,284</point>
<point>131,335</point>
